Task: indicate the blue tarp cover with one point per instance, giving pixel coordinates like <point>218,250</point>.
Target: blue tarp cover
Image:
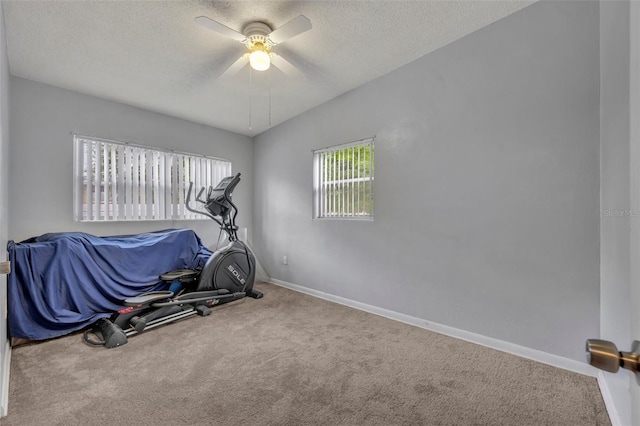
<point>63,282</point>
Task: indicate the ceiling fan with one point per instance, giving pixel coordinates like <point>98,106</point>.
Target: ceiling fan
<point>259,38</point>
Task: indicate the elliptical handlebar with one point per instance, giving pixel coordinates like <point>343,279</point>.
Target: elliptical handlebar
<point>199,193</point>
<point>219,205</point>
<point>187,204</point>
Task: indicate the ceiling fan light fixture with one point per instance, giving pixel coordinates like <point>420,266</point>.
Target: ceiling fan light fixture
<point>259,58</point>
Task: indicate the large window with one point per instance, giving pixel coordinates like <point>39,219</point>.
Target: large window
<point>118,181</point>
<point>343,181</point>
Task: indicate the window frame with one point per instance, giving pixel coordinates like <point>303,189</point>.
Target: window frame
<point>319,193</point>
<point>165,187</point>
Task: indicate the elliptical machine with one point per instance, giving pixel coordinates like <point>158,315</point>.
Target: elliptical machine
<point>228,275</point>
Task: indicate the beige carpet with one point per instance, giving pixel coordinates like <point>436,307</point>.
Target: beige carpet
<point>291,359</point>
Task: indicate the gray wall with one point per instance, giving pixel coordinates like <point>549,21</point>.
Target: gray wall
<point>43,119</point>
<point>615,190</point>
<point>4,211</point>
<point>634,173</point>
<point>486,190</point>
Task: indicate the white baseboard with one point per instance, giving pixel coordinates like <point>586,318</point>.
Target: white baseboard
<point>4,378</point>
<point>608,400</point>
<point>512,348</point>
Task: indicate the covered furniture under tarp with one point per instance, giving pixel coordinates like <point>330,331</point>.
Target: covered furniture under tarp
<point>64,282</point>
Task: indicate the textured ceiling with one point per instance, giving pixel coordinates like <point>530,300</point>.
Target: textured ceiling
<point>152,54</point>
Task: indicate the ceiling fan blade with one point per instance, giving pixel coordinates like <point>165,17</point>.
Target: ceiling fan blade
<point>318,76</point>
<point>296,26</point>
<point>236,66</point>
<point>285,66</point>
<point>222,62</point>
<point>220,28</point>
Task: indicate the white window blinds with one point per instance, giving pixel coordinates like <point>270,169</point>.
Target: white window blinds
<point>114,181</point>
<point>343,181</point>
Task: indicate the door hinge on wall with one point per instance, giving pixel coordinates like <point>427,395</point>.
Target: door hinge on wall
<point>5,267</point>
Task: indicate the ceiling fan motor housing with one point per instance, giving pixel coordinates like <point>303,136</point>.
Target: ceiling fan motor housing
<point>257,33</point>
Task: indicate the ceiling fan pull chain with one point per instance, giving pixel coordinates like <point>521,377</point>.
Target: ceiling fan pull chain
<point>250,96</point>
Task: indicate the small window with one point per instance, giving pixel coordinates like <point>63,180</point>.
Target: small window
<point>115,181</point>
<point>343,181</point>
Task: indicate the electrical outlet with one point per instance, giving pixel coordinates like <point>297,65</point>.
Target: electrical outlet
<point>285,261</point>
